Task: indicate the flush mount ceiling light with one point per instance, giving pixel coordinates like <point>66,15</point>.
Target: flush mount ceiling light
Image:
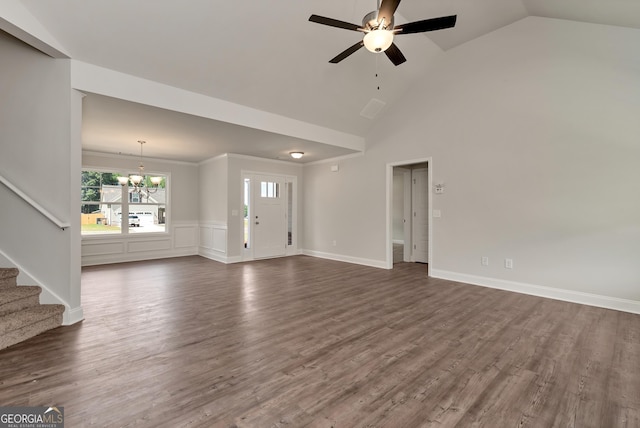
<point>296,155</point>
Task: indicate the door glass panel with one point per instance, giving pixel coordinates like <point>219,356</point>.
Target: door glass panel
<point>269,189</point>
<point>245,220</point>
<point>289,213</point>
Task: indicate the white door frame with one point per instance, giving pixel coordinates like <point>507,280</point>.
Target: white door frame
<point>406,213</point>
<point>389,192</point>
<point>416,232</point>
<point>247,253</point>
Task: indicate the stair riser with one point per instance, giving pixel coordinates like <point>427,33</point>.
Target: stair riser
<point>8,277</point>
<point>19,304</point>
<point>8,282</point>
<point>32,315</point>
<point>29,331</point>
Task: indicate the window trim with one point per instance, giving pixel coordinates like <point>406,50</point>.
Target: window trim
<point>124,231</point>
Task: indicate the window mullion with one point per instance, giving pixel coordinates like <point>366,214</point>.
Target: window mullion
<point>124,217</point>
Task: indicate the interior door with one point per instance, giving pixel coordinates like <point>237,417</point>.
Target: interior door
<point>269,217</point>
<point>420,215</point>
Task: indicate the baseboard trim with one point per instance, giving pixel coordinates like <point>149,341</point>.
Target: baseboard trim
<point>597,300</point>
<point>107,259</point>
<point>72,316</point>
<point>346,259</point>
<point>217,256</point>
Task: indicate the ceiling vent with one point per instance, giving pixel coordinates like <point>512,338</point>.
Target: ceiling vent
<point>372,109</point>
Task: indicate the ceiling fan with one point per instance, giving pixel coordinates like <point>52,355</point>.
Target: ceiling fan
<point>379,30</point>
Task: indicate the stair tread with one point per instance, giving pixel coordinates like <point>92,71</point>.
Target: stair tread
<point>27,316</point>
<point>12,294</point>
<point>21,314</point>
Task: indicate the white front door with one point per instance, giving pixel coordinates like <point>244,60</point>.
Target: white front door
<point>420,215</point>
<point>269,217</point>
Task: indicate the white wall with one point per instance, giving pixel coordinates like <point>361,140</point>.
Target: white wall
<point>213,190</point>
<point>213,177</point>
<point>183,197</point>
<point>533,129</point>
<point>39,147</point>
<point>346,207</point>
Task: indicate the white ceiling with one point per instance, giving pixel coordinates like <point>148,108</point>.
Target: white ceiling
<point>266,55</point>
<point>111,125</point>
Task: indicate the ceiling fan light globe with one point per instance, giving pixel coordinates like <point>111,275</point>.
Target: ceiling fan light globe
<point>378,40</point>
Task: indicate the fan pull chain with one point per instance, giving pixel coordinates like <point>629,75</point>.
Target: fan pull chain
<point>377,79</point>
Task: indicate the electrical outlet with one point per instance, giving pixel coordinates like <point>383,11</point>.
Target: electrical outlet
<point>508,263</point>
<point>485,261</point>
<point>334,243</point>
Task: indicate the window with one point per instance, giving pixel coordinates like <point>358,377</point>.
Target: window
<point>100,195</point>
<point>269,189</point>
<point>104,200</point>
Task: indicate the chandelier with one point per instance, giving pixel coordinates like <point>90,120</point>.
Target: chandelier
<point>139,182</point>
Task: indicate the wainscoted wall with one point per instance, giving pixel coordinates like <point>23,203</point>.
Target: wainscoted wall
<point>182,240</point>
<point>213,242</point>
<point>182,235</point>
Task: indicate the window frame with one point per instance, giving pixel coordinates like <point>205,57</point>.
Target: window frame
<point>125,205</point>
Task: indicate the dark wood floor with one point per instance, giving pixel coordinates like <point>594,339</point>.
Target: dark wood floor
<point>307,342</point>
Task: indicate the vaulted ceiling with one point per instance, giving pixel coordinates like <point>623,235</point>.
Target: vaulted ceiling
<point>268,56</point>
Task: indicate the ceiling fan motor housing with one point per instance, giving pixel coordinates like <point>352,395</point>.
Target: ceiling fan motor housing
<point>370,22</point>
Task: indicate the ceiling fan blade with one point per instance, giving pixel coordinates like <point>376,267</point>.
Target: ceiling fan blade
<point>334,23</point>
<point>387,9</point>
<point>426,25</point>
<point>394,54</point>
<point>347,52</point>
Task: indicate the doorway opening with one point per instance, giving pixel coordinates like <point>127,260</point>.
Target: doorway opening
<point>269,215</point>
<point>409,212</point>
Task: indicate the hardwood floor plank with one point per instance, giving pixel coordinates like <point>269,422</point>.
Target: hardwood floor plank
<point>304,342</point>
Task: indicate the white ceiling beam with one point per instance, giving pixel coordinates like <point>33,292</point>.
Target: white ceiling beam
<point>16,20</point>
<point>102,81</point>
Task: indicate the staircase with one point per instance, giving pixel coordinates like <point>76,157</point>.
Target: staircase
<point>21,314</point>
